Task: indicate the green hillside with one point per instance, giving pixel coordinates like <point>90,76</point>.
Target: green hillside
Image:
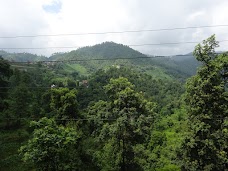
<point>160,68</point>
<point>180,65</point>
<point>89,59</point>
<point>104,50</point>
<point>22,57</point>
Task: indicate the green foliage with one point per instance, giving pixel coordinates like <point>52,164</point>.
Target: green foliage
<point>206,146</point>
<point>10,142</point>
<point>166,138</point>
<point>120,125</point>
<point>24,96</point>
<point>206,52</point>
<point>120,129</point>
<point>179,66</point>
<point>117,85</point>
<point>22,57</point>
<point>64,103</point>
<point>159,68</point>
<point>5,73</point>
<point>163,92</point>
<point>52,147</point>
<point>19,106</point>
<point>75,68</point>
<point>22,99</point>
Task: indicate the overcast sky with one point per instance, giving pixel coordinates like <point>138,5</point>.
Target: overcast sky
<point>45,17</point>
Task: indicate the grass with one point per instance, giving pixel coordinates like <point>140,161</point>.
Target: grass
<point>158,73</point>
<point>75,67</point>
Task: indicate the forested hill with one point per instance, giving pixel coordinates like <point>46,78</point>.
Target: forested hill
<point>104,50</point>
<point>22,57</point>
<point>105,55</point>
<point>180,64</point>
<point>178,67</point>
<point>109,54</point>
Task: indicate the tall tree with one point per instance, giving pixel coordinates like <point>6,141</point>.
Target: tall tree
<point>121,126</point>
<point>206,146</point>
<point>19,98</point>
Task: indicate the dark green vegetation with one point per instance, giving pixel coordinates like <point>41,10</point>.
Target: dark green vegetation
<point>125,114</point>
<point>206,146</point>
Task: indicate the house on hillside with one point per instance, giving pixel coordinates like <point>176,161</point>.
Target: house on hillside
<point>84,83</point>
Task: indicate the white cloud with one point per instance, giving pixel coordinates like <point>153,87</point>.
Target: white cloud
<point>196,15</point>
<point>26,17</point>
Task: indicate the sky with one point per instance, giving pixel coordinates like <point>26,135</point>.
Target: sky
<point>56,17</point>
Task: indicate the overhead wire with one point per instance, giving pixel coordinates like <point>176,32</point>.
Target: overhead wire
<point>95,59</point>
<point>99,59</point>
<point>112,32</point>
<point>130,45</point>
<point>102,59</point>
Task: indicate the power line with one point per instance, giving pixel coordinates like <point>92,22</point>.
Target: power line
<point>101,59</point>
<point>133,45</point>
<point>112,32</point>
<point>98,59</point>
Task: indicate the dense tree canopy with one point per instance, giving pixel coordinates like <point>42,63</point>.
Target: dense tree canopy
<point>53,147</point>
<point>120,125</point>
<point>128,115</point>
<point>5,72</point>
<point>64,103</point>
<point>206,146</point>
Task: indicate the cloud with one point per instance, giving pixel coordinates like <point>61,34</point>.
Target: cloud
<point>27,17</point>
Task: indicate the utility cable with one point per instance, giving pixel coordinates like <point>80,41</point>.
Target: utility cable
<point>95,59</point>
<point>72,47</point>
<point>112,32</point>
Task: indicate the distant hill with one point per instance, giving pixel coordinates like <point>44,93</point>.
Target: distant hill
<point>116,55</point>
<point>22,57</point>
<point>108,50</point>
<point>178,67</point>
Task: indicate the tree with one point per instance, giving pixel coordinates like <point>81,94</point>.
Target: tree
<point>52,147</point>
<point>5,73</point>
<point>121,126</point>
<point>20,98</point>
<point>206,146</point>
<point>19,104</point>
<point>64,103</point>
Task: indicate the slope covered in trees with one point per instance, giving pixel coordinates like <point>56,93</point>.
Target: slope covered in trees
<point>117,118</point>
<point>72,105</point>
<point>181,66</point>
<point>178,66</point>
<point>22,57</point>
<point>110,53</point>
<point>206,146</point>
